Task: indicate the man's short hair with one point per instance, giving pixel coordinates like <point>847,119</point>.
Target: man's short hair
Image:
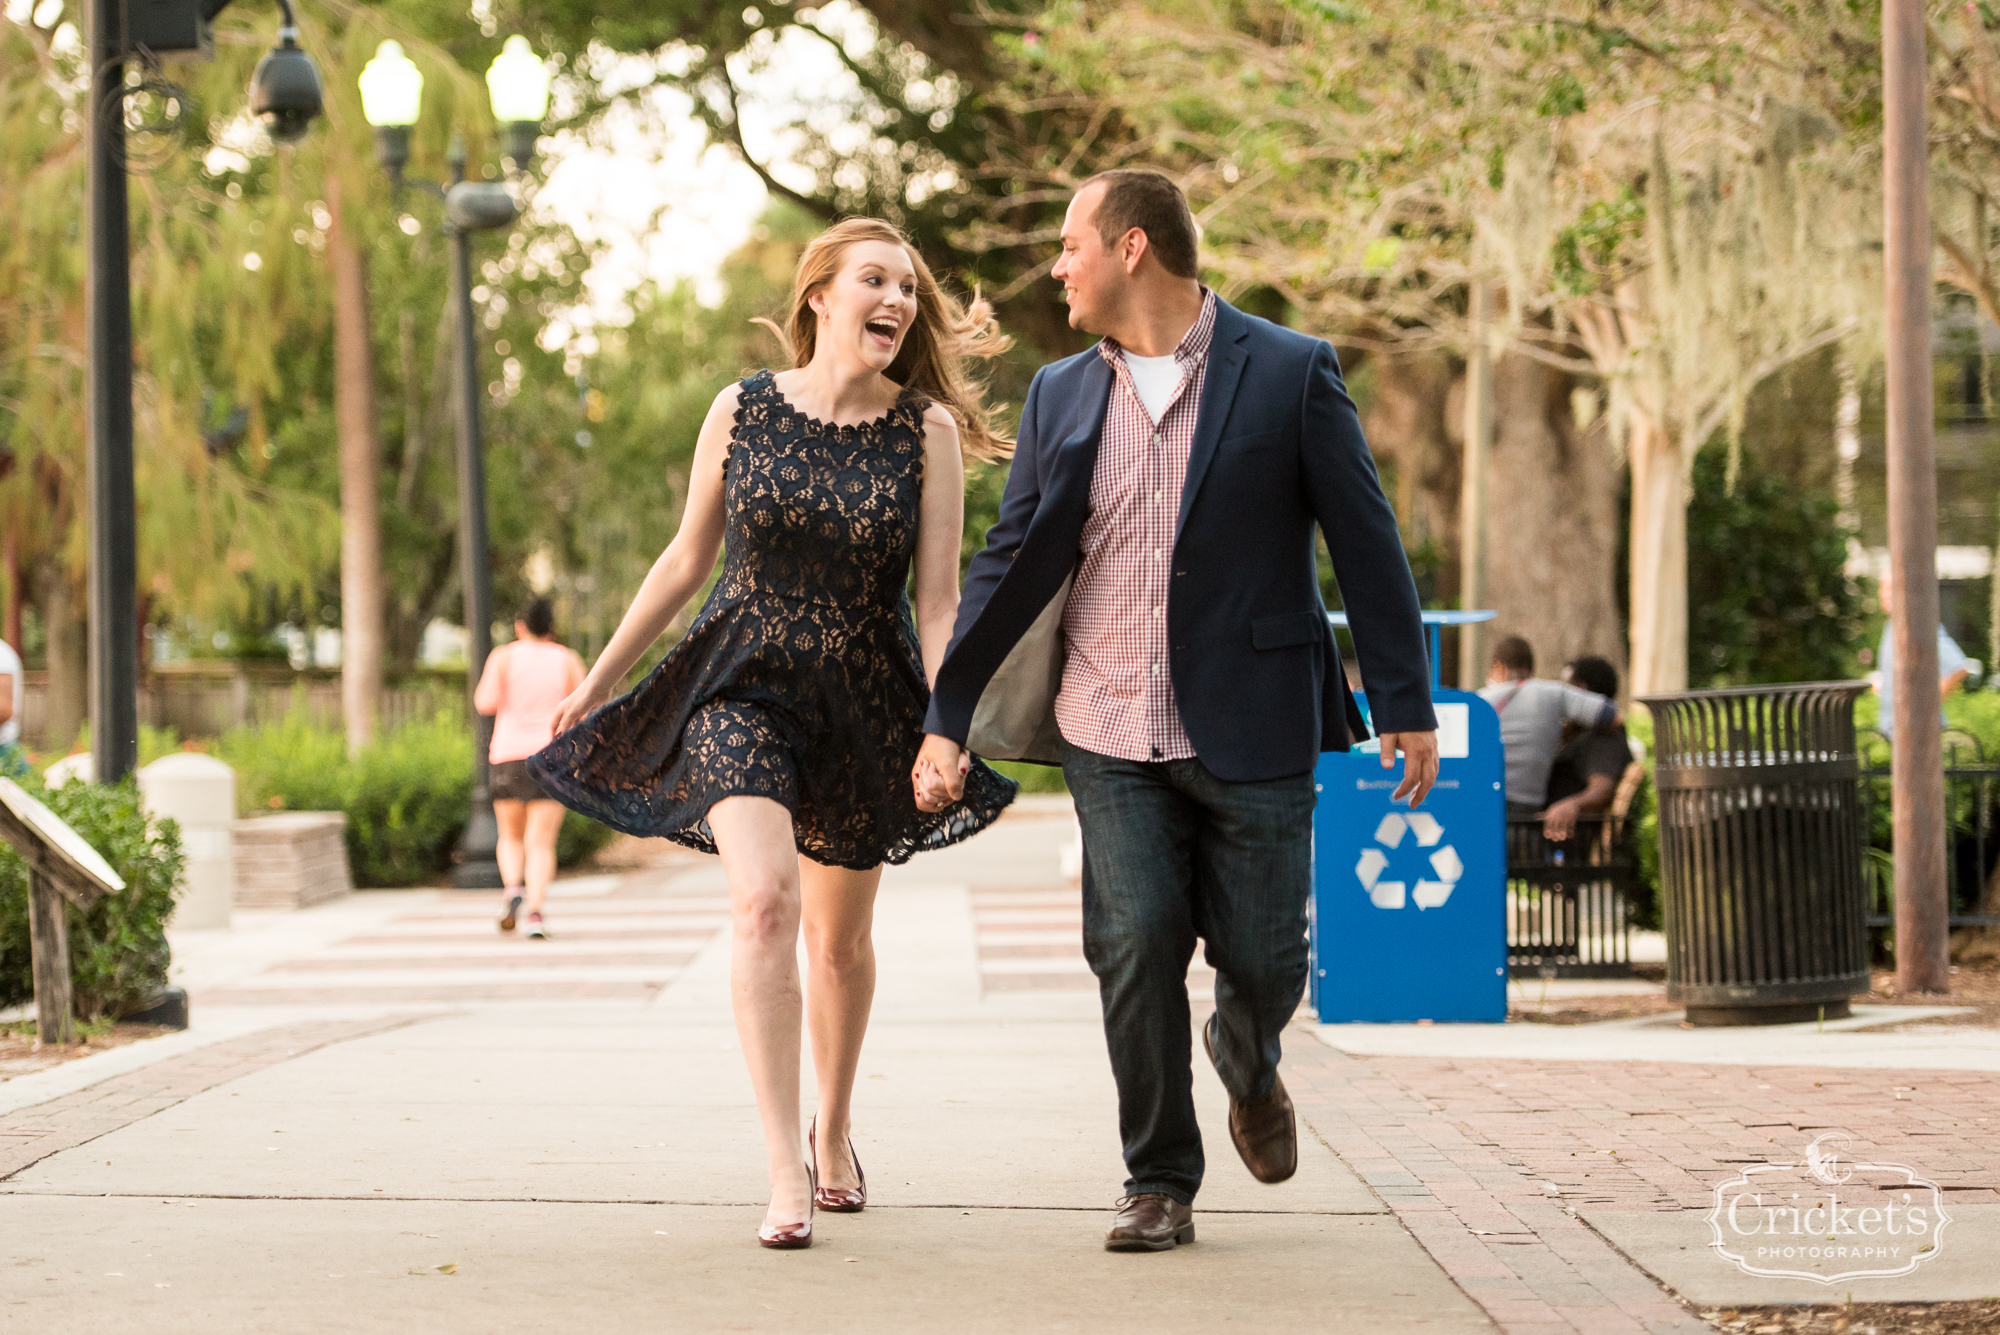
<point>1151,202</point>
<point>1594,674</point>
<point>1514,654</point>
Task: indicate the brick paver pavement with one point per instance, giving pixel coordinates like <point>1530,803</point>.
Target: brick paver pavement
<point>1488,1161</point>
<point>31,1134</point>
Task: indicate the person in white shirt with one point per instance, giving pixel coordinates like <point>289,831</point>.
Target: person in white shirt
<point>1953,667</point>
<point>12,763</point>
<point>1532,714</point>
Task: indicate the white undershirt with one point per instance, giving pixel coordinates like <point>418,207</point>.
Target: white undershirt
<point>1154,379</point>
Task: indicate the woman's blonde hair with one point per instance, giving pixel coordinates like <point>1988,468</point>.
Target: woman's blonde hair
<point>932,358</point>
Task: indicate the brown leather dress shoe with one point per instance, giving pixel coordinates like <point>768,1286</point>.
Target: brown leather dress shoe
<point>1149,1222</point>
<point>1266,1132</point>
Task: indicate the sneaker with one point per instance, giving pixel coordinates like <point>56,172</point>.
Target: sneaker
<point>513,911</point>
<point>535,928</point>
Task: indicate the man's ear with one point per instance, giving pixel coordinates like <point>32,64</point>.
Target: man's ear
<point>1133,247</point>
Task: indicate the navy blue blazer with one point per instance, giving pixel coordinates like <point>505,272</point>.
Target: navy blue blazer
<point>1277,448</point>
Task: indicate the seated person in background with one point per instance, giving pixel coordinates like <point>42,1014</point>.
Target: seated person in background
<point>1588,765</point>
<point>1532,713</point>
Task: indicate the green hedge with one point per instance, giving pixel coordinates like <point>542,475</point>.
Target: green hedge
<point>405,796</point>
<point>118,950</point>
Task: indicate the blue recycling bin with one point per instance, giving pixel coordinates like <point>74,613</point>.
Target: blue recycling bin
<point>1409,907</point>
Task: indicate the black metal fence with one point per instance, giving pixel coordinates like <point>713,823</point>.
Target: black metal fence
<point>1568,901</point>
<point>1972,833</point>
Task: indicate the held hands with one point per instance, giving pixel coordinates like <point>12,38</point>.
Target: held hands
<point>1420,770</point>
<point>579,703</point>
<point>939,773</point>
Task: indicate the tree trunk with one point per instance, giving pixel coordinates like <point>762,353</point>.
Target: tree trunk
<point>1552,519</point>
<point>63,622</point>
<point>1407,424</point>
<point>360,472</point>
<point>1659,558</point>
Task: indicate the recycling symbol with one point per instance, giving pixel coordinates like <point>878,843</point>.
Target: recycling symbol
<point>1444,863</point>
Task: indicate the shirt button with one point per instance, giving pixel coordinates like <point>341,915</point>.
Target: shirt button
<point>1158,552</point>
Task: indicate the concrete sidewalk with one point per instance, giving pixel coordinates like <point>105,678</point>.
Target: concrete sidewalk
<point>387,1114</point>
<point>406,1120</point>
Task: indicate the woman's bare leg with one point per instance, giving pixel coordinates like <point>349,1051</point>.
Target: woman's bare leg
<point>754,836</point>
<point>839,918</point>
<point>512,818</point>
<point>544,824</point>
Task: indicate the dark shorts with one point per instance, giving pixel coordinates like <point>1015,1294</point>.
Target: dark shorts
<point>512,782</point>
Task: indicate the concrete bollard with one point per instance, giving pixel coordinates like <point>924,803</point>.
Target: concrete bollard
<point>200,792</point>
<point>78,766</point>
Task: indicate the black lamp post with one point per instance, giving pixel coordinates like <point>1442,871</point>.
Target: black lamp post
<point>391,95</point>
<point>285,95</point>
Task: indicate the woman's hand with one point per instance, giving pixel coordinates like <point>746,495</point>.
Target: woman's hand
<point>940,757</point>
<point>580,704</point>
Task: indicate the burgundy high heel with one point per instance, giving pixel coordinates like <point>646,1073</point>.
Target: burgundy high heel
<point>793,1237</point>
<point>836,1200</point>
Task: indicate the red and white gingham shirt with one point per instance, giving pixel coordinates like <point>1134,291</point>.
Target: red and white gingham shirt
<point>1117,695</point>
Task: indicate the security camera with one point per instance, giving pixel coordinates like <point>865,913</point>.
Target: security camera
<point>285,90</point>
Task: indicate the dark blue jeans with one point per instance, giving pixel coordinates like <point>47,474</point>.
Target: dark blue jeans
<point>1171,853</point>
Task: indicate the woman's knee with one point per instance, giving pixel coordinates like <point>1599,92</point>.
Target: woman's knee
<point>766,911</point>
<point>840,952</point>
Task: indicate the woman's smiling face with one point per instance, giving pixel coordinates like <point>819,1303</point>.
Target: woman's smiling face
<point>870,304</point>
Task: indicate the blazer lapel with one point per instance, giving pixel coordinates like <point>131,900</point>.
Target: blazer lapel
<point>1225,368</point>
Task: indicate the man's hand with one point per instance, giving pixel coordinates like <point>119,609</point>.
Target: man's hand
<point>939,774</point>
<point>1420,769</point>
<point>1559,821</point>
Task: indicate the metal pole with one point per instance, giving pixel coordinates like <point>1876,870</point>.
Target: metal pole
<point>1472,493</point>
<point>1923,961</point>
<point>113,687</point>
<point>477,866</point>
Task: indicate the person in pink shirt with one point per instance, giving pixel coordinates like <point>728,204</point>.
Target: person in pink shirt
<point>523,687</point>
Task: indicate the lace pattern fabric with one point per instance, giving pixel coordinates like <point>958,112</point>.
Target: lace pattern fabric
<point>801,679</point>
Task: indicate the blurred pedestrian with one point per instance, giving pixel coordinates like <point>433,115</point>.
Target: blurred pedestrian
<point>13,765</point>
<point>523,688</point>
<point>1953,666</point>
<point>778,732</point>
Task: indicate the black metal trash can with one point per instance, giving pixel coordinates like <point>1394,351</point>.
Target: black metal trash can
<point>1761,831</point>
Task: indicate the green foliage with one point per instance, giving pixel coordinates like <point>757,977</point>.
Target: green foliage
<point>118,950</point>
<point>1588,249</point>
<point>406,796</point>
<point>1769,599</point>
<point>1564,96</point>
<point>1032,778</point>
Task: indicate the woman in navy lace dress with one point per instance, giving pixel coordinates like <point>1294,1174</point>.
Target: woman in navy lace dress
<point>782,731</point>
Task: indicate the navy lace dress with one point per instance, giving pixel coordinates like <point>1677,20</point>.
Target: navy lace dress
<point>801,679</point>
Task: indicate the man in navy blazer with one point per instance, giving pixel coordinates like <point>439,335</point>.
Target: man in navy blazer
<point>1147,614</point>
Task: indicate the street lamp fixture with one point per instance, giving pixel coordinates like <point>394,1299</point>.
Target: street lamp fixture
<point>286,96</point>
<point>518,84</point>
<point>392,90</point>
<point>391,98</point>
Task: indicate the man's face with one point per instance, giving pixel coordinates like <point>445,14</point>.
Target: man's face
<point>1092,276</point>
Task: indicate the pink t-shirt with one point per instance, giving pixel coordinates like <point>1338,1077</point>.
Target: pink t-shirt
<point>532,687</point>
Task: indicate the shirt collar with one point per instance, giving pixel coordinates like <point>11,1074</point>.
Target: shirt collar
<point>1192,347</point>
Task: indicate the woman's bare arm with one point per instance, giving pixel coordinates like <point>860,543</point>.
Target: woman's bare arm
<point>492,682</point>
<point>940,534</point>
<point>676,577</point>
